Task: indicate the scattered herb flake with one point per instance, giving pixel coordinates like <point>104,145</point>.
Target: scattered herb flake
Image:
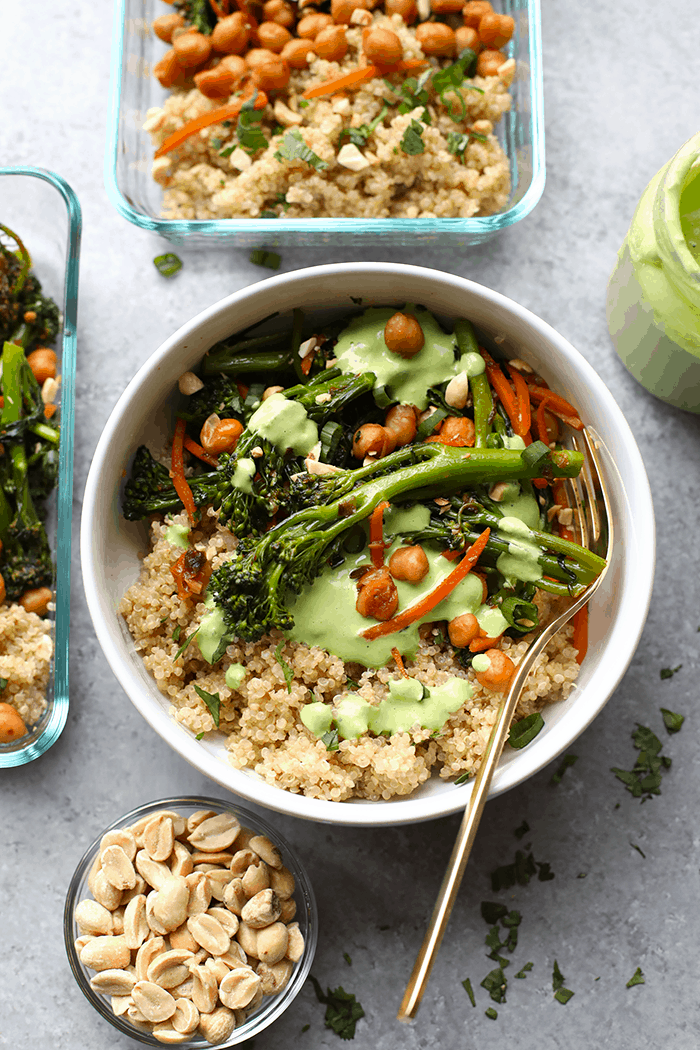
<point>342,1010</point>
<point>522,732</point>
<point>457,144</point>
<point>493,1014</point>
<point>293,147</point>
<point>467,985</point>
<point>521,871</point>
<point>3,683</point>
<point>568,760</point>
<point>286,669</point>
<point>267,214</point>
<point>359,136</point>
<point>495,984</point>
<point>167,265</point>
<point>303,103</point>
<point>351,683</point>
<point>261,257</point>
<point>672,721</point>
<point>176,633</point>
<point>414,94</point>
<point>306,1028</point>
<point>212,700</point>
<point>668,672</point>
<point>522,974</point>
<point>644,779</point>
<point>491,912</point>
<point>638,849</point>
<point>521,831</point>
<point>563,995</point>
<point>463,778</point>
<point>347,958</point>
<point>330,739</point>
<point>544,871</point>
<point>385,927</point>
<point>184,645</point>
<point>581,875</point>
<point>636,978</point>
<point>199,735</point>
<point>412,141</point>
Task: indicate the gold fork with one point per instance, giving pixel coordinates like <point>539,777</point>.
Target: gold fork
<point>592,527</point>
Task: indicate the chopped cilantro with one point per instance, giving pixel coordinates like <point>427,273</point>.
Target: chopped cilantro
<point>351,683</point>
<point>463,778</point>
<point>581,875</point>
<point>644,779</point>
<point>303,103</point>
<point>359,136</point>
<point>672,721</point>
<point>568,760</point>
<point>521,871</point>
<point>467,985</point>
<point>261,257</point>
<point>281,199</point>
<point>522,974</point>
<point>184,645</point>
<point>167,264</point>
<point>495,984</point>
<point>451,78</point>
<point>176,633</point>
<point>342,1010</point>
<point>199,735</point>
<point>491,912</point>
<point>212,700</point>
<point>415,94</point>
<point>560,993</point>
<point>293,147</point>
<point>3,683</point>
<point>636,978</point>
<point>330,739</point>
<point>521,831</point>
<point>286,669</point>
<point>306,1028</point>
<point>268,214</point>
<point>668,672</point>
<point>522,732</point>
<point>563,995</point>
<point>412,141</point>
<point>493,1014</point>
<point>457,144</point>
<point>347,958</point>
<point>248,131</point>
<point>638,849</point>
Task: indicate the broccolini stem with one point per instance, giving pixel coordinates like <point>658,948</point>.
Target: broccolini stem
<point>479,385</point>
<point>231,364</point>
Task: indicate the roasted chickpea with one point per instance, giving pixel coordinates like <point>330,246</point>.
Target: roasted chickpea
<point>273,36</point>
<point>296,53</point>
<point>467,37</point>
<point>499,672</point>
<point>279,11</point>
<point>342,10</point>
<point>489,62</point>
<point>220,435</point>
<point>445,7</point>
<point>463,630</point>
<point>331,44</point>
<point>168,69</point>
<point>216,83</point>
<point>192,49</point>
<point>409,564</point>
<point>164,25</point>
<point>458,428</point>
<point>474,10</point>
<point>401,421</point>
<point>11,725</point>
<point>42,362</point>
<point>259,56</point>
<point>436,38</point>
<point>311,25</point>
<point>408,9</point>
<point>403,335</point>
<point>231,34</point>
<point>273,75</point>
<point>496,30</point>
<point>377,596</point>
<point>382,47</point>
<point>235,64</point>
<point>371,439</point>
<point>36,600</point>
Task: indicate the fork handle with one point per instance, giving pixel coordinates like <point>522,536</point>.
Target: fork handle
<point>462,849</point>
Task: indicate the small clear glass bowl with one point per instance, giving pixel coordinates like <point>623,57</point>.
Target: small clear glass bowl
<point>136,196</point>
<point>273,1006</point>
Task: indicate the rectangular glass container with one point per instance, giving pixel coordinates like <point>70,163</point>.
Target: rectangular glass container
<point>42,209</point>
<point>137,196</point>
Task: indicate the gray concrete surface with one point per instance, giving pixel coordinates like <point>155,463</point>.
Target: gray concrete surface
<point>621,97</point>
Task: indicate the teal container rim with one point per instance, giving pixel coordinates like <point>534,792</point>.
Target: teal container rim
<point>177,230</point>
<point>59,708</point>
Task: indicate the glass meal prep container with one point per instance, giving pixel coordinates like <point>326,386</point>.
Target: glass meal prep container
<point>42,209</point>
<point>137,196</point>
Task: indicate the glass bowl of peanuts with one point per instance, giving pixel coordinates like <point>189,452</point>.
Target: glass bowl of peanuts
<point>190,922</point>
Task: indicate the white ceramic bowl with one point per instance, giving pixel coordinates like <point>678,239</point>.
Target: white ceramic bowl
<point>110,545</point>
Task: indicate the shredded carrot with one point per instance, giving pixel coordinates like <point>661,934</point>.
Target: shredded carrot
<point>580,639</point>
<point>199,452</point>
<point>216,9</point>
<point>540,421</point>
<point>523,395</point>
<point>453,442</point>
<point>49,410</point>
<point>306,362</point>
<point>399,662</point>
<point>376,535</point>
<point>177,471</point>
<point>480,645</point>
<point>242,390</point>
<point>557,405</point>
<point>424,606</point>
<point>503,389</point>
<point>329,87</point>
<point>205,120</point>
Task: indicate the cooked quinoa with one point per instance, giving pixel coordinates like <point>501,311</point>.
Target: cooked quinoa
<point>199,183</point>
<point>261,720</point>
<point>26,648</point>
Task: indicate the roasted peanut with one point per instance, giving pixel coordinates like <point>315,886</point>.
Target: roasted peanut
<point>272,943</point>
<point>218,1025</point>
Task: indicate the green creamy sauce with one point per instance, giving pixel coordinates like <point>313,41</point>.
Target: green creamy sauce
<point>243,475</point>
<point>514,442</point>
<point>522,560</point>
<point>522,505</point>
<point>211,633</point>
<point>235,676</point>
<point>405,707</point>
<point>481,663</point>
<point>178,535</point>
<point>325,614</point>
<point>690,215</point>
<point>361,348</point>
<point>285,424</point>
